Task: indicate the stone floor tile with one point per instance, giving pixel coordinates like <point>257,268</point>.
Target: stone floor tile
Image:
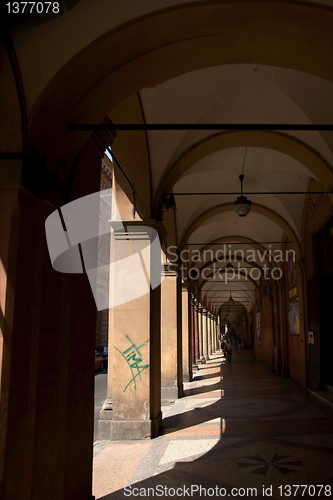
<point>237,426</point>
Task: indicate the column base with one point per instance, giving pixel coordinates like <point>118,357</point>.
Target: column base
<point>125,430</point>
<point>105,417</point>
<point>169,395</point>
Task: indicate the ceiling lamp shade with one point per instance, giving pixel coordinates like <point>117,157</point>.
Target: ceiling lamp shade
<point>242,205</point>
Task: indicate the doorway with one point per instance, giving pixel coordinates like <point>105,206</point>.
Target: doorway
<point>324,244</point>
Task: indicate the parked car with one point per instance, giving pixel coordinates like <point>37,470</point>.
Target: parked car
<point>103,351</point>
<point>99,363</point>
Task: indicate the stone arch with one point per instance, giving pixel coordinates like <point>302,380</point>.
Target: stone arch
<point>191,43</point>
<point>244,295</point>
<point>243,274</point>
<point>266,139</point>
<point>238,259</point>
<point>229,207</point>
<point>241,239</point>
<point>251,280</point>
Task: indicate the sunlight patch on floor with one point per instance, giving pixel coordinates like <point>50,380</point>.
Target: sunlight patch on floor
<point>183,449</point>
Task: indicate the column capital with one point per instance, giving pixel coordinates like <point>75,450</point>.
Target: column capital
<point>169,270</point>
<point>126,226</point>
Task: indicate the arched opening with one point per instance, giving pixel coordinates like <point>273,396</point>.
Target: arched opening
<point>132,68</point>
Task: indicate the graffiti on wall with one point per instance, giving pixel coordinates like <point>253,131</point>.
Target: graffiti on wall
<point>135,361</point>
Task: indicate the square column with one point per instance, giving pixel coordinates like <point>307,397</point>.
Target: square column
<point>212,332</point>
<point>134,376</point>
<point>209,333</point>
<point>186,333</point>
<point>215,334</point>
<point>204,336</point>
<point>195,334</point>
<point>171,336</point>
<point>200,332</point>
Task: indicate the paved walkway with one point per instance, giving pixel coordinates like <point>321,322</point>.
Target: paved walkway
<point>238,429</point>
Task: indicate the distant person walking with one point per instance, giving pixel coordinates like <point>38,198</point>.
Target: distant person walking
<point>228,348</point>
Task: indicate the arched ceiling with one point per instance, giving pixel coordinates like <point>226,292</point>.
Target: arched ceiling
<point>45,49</point>
<point>254,226</point>
<point>265,171</point>
<point>229,248</point>
<point>195,62</point>
<point>81,65</point>
<point>236,94</point>
<point>231,311</point>
<point>241,291</point>
<point>239,93</point>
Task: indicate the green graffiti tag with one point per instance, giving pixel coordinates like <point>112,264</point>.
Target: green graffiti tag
<point>134,359</point>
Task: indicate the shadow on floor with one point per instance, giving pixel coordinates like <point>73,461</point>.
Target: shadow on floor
<point>238,470</point>
<point>208,376</point>
<point>259,436</point>
<point>203,389</point>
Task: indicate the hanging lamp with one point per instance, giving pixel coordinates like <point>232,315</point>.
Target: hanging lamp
<point>242,205</point>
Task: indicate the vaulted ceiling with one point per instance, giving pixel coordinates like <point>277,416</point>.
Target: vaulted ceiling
<point>195,62</point>
<point>237,93</point>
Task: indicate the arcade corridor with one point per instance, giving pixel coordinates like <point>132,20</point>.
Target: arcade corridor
<point>166,183</point>
<point>237,427</point>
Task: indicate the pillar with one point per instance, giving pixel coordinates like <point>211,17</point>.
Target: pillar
<point>212,330</point>
<point>209,333</point>
<point>47,379</point>
<point>195,334</point>
<point>204,335</point>
<point>283,323</point>
<point>301,280</point>
<point>218,343</point>
<point>134,382</point>
<point>171,345</point>
<point>214,333</point>
<point>200,336</point>
<point>186,333</point>
<point>217,339</point>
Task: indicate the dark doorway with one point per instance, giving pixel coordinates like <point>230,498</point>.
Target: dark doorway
<point>324,243</point>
